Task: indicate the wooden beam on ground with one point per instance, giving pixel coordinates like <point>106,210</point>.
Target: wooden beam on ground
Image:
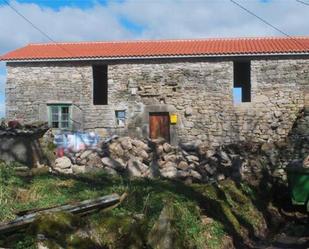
<point>82,207</point>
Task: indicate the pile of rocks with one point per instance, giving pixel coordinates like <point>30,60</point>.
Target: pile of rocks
<point>78,162</point>
<point>15,128</point>
<point>188,162</point>
<point>151,158</point>
<point>194,162</point>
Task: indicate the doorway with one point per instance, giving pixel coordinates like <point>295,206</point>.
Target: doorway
<point>159,125</point>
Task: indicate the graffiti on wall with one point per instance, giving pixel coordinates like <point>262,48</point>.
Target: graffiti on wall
<point>75,141</point>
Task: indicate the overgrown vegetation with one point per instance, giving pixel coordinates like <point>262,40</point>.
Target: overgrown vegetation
<point>199,216</point>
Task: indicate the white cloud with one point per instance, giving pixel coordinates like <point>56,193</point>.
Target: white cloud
<point>2,81</point>
<point>2,104</point>
<point>160,19</point>
<point>2,109</point>
<point>221,18</point>
<point>66,24</point>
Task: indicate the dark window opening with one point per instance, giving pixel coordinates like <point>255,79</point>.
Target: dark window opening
<point>242,82</point>
<point>100,86</point>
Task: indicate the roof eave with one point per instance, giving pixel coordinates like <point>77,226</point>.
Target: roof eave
<point>153,57</point>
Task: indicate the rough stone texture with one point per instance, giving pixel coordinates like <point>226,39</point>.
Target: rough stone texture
<point>24,145</point>
<point>78,169</point>
<point>162,235</point>
<point>136,168</point>
<point>199,92</point>
<point>253,162</point>
<point>63,163</point>
<point>306,162</point>
<point>114,164</point>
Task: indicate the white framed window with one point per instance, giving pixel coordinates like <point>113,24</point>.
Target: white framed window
<point>121,118</point>
<point>59,116</point>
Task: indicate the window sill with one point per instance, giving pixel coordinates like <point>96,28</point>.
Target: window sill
<point>60,129</point>
<point>243,106</point>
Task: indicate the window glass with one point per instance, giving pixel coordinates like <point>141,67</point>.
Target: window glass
<point>65,109</point>
<point>64,124</point>
<point>121,118</point>
<point>121,114</point>
<point>55,113</point>
<point>65,114</point>
<point>54,109</point>
<point>55,124</point>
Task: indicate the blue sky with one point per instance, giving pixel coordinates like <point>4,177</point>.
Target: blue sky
<point>2,79</point>
<point>57,4</point>
<point>82,20</point>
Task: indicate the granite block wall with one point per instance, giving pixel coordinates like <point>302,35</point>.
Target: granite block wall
<point>199,92</point>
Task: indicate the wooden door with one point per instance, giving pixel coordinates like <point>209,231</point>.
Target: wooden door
<point>159,125</point>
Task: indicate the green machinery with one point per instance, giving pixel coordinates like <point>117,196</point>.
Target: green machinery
<point>298,178</point>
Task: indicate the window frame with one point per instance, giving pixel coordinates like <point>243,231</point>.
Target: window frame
<point>118,118</point>
<point>60,115</point>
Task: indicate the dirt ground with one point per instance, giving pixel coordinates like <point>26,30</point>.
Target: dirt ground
<point>293,232</point>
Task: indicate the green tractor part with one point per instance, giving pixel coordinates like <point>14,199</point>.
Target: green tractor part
<point>298,178</point>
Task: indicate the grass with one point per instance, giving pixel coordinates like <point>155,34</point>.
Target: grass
<point>214,233</point>
<point>227,205</point>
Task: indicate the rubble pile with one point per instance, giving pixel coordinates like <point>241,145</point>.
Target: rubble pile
<point>15,128</point>
<point>152,158</point>
<point>193,162</point>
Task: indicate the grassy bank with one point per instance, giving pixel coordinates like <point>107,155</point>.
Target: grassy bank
<point>195,216</point>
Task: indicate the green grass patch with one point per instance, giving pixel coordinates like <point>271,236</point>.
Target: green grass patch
<point>228,205</point>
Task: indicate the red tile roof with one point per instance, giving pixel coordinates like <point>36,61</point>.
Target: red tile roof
<point>160,48</point>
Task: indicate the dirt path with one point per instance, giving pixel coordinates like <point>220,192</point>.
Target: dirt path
<point>283,241</point>
<point>294,234</point>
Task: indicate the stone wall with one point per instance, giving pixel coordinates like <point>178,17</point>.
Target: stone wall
<point>23,145</point>
<point>199,92</point>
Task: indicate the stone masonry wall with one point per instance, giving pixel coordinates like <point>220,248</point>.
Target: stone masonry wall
<point>199,92</point>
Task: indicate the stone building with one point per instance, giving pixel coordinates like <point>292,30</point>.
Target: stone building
<point>214,90</point>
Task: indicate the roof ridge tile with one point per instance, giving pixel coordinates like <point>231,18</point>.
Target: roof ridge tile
<point>172,40</point>
<point>161,48</point>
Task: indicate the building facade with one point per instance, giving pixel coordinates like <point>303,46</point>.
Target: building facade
<point>219,99</point>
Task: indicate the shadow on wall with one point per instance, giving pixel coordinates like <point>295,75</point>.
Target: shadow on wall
<point>244,129</point>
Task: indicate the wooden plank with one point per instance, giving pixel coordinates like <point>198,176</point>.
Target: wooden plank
<point>33,210</point>
<point>82,207</point>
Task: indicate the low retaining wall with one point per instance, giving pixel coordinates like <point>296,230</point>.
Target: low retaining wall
<point>22,145</point>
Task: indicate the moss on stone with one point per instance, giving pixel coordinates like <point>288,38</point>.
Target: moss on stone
<point>75,241</point>
<point>231,206</point>
<point>243,207</point>
<point>165,232</point>
<point>55,225</point>
<point>118,230</point>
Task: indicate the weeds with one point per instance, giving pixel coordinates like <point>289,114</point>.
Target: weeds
<point>227,205</point>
